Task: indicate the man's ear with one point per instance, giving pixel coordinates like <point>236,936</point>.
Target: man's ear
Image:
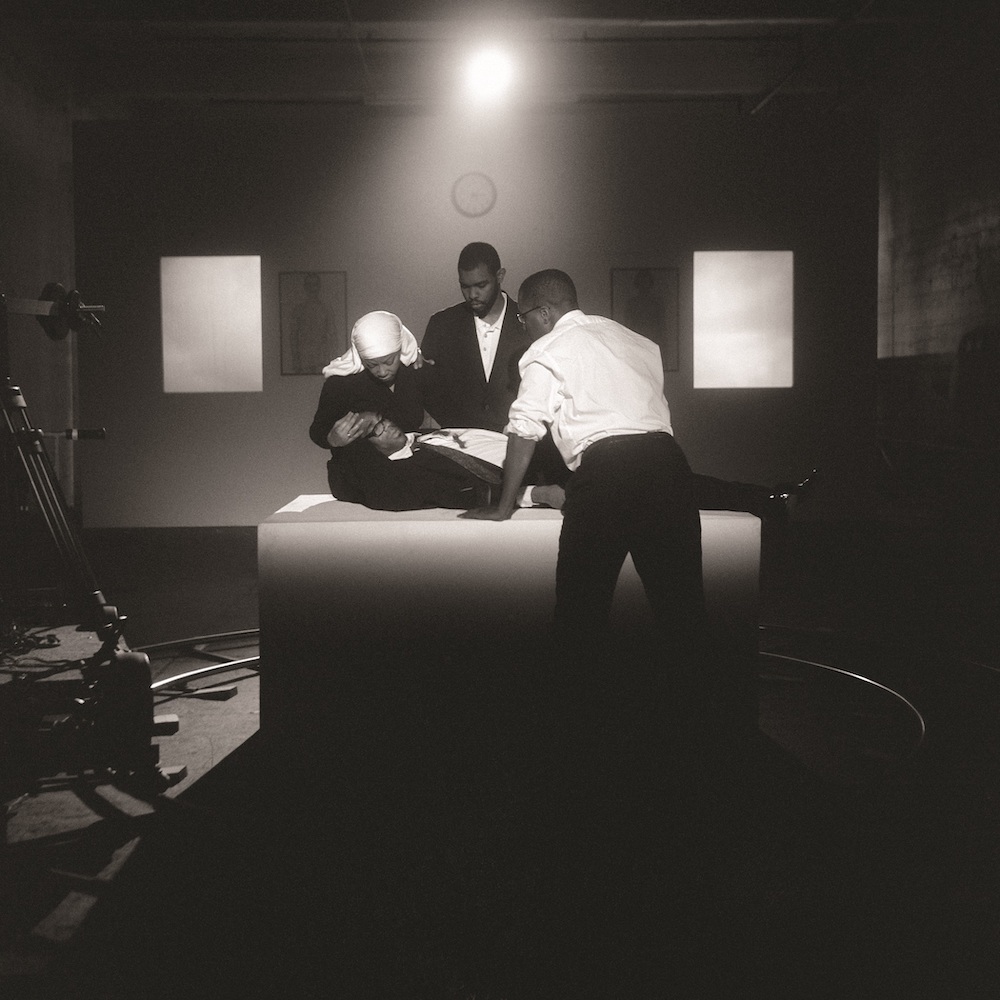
<point>501,274</point>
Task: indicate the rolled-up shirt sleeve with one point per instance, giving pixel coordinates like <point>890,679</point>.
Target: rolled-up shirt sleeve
<point>533,411</point>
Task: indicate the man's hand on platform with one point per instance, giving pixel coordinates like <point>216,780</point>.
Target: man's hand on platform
<point>486,514</point>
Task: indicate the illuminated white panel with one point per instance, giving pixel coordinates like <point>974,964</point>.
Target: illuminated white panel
<point>212,330</point>
<point>743,319</point>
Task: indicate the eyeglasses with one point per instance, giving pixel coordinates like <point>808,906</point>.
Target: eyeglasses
<point>521,315</point>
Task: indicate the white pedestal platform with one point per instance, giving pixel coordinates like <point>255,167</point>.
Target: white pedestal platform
<point>347,592</point>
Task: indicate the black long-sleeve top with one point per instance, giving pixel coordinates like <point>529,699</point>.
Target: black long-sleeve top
<point>342,394</point>
<point>403,404</point>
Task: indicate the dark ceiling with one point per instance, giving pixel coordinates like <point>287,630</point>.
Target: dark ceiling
<point>437,10</point>
<point>127,53</point>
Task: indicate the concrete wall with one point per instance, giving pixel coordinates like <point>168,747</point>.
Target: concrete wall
<point>940,187</point>
<point>939,235</point>
<point>36,226</point>
<point>367,191</point>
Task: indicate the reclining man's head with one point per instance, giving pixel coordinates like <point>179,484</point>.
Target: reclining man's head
<point>386,436</point>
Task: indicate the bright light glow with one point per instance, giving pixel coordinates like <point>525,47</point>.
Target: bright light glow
<point>212,326</point>
<point>743,319</point>
<point>489,75</point>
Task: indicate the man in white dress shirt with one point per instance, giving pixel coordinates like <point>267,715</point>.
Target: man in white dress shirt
<point>613,710</point>
<point>599,388</point>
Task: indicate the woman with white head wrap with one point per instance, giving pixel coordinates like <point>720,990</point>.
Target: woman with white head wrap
<point>376,335</point>
<point>376,377</point>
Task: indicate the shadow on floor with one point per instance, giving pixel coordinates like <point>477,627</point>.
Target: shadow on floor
<point>414,866</point>
<point>424,863</point>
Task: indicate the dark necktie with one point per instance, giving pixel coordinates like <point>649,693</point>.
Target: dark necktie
<point>486,471</point>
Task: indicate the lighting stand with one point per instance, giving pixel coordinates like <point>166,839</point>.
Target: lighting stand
<point>111,724</point>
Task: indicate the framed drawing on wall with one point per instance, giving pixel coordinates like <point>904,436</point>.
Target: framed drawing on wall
<point>645,300</point>
<point>314,330</point>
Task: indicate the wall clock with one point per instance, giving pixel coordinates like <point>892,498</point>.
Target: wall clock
<point>474,194</point>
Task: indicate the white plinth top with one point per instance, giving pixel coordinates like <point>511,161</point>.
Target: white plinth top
<point>320,507</point>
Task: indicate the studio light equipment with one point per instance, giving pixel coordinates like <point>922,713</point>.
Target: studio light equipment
<point>104,722</point>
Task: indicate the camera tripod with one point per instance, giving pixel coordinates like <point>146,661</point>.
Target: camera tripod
<point>110,725</point>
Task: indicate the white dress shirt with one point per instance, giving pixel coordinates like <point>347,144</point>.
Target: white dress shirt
<point>587,379</point>
<point>488,335</point>
<point>490,446</point>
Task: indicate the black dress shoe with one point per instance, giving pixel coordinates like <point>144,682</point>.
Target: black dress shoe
<point>774,508</point>
<point>786,496</point>
<point>802,490</point>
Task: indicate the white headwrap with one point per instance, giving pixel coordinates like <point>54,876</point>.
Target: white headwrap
<point>375,335</point>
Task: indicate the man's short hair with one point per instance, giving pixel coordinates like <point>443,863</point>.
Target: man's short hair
<point>549,287</point>
<point>479,253</point>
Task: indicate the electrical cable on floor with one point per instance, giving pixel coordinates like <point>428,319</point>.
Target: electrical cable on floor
<point>197,647</point>
<point>17,640</point>
<point>858,677</point>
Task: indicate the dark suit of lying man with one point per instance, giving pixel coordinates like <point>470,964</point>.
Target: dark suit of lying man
<point>451,468</point>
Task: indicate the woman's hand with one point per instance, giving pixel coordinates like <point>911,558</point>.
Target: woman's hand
<point>351,427</point>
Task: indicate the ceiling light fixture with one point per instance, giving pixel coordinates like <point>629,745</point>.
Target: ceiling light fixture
<point>489,75</point>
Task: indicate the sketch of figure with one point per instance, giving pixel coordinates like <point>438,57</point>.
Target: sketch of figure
<point>646,309</point>
<point>313,330</point>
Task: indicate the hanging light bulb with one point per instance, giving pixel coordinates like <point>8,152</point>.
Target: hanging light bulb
<point>489,75</point>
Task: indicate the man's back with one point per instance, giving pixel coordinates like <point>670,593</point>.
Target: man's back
<point>606,381</point>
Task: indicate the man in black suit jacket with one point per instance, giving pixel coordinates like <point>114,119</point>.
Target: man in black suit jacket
<point>474,347</point>
<point>472,352</point>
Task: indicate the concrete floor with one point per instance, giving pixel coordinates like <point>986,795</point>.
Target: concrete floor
<point>68,836</point>
<point>858,858</point>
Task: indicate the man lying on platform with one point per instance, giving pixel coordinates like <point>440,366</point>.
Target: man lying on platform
<point>453,468</point>
<point>457,468</point>
<point>379,377</point>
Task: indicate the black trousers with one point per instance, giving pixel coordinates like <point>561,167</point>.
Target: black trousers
<point>636,495</point>
<point>609,705</point>
<point>361,474</point>
<point>631,494</point>
<point>724,494</point>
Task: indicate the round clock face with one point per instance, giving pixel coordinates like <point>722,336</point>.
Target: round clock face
<point>474,194</point>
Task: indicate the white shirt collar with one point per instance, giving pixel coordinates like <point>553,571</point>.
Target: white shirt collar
<point>482,325</point>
